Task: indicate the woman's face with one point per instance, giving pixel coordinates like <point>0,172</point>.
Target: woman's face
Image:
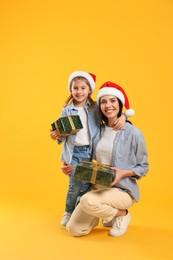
<point>109,106</point>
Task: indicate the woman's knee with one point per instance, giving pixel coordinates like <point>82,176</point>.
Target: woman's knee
<point>76,232</point>
<point>84,201</point>
<point>88,203</point>
<point>72,230</point>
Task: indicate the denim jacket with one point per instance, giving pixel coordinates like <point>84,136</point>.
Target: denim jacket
<point>93,115</point>
<point>129,153</point>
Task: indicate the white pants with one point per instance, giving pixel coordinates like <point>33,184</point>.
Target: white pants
<point>103,203</point>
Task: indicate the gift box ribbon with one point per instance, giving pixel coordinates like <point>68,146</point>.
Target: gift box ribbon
<point>71,123</point>
<point>96,165</point>
<point>56,125</point>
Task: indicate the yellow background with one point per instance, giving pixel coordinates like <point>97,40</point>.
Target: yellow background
<point>41,43</point>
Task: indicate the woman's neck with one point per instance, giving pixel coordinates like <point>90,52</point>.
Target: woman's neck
<point>111,121</point>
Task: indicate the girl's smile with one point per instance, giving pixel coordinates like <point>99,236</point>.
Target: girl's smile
<point>80,91</point>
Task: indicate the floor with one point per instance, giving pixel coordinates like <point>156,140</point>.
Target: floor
<point>31,231</point>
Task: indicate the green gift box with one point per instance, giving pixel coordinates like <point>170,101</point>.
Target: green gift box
<point>67,125</point>
<point>94,172</point>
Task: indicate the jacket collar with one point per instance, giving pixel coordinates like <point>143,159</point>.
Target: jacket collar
<point>87,104</point>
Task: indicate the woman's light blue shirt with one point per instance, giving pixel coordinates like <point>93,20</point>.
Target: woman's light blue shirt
<point>129,153</point>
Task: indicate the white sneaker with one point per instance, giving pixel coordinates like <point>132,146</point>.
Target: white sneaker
<point>65,218</point>
<point>120,225</point>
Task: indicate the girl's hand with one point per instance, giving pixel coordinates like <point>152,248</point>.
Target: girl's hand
<point>55,135</point>
<point>67,168</point>
<point>120,122</point>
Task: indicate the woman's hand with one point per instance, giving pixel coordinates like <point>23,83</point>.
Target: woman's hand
<point>119,174</point>
<point>120,122</point>
<point>55,135</point>
<point>67,168</point>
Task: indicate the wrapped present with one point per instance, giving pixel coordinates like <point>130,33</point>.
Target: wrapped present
<point>67,125</point>
<point>94,172</point>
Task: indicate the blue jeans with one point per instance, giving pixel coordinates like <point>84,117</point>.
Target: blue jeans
<point>76,187</point>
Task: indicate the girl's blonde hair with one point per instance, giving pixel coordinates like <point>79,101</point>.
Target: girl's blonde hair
<point>70,98</point>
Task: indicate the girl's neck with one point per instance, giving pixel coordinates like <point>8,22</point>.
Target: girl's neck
<point>79,104</point>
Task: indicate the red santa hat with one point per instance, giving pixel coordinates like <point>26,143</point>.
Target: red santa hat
<point>110,88</point>
<point>89,76</point>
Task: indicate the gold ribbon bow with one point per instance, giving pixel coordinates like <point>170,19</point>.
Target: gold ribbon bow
<point>96,165</point>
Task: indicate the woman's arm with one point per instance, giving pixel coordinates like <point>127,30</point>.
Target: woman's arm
<point>121,174</point>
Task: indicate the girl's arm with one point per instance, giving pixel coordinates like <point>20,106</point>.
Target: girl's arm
<point>120,122</point>
<point>55,135</point>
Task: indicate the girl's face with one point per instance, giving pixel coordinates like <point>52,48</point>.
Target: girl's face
<point>109,106</point>
<point>80,92</point>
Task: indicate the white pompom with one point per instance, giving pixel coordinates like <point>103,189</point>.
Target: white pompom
<point>129,112</point>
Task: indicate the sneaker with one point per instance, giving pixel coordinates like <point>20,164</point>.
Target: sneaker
<point>107,224</point>
<point>65,218</point>
<point>120,225</point>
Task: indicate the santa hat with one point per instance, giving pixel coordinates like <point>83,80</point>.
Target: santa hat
<point>89,76</point>
<point>110,88</point>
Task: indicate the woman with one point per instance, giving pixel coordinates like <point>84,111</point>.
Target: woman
<point>126,152</point>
